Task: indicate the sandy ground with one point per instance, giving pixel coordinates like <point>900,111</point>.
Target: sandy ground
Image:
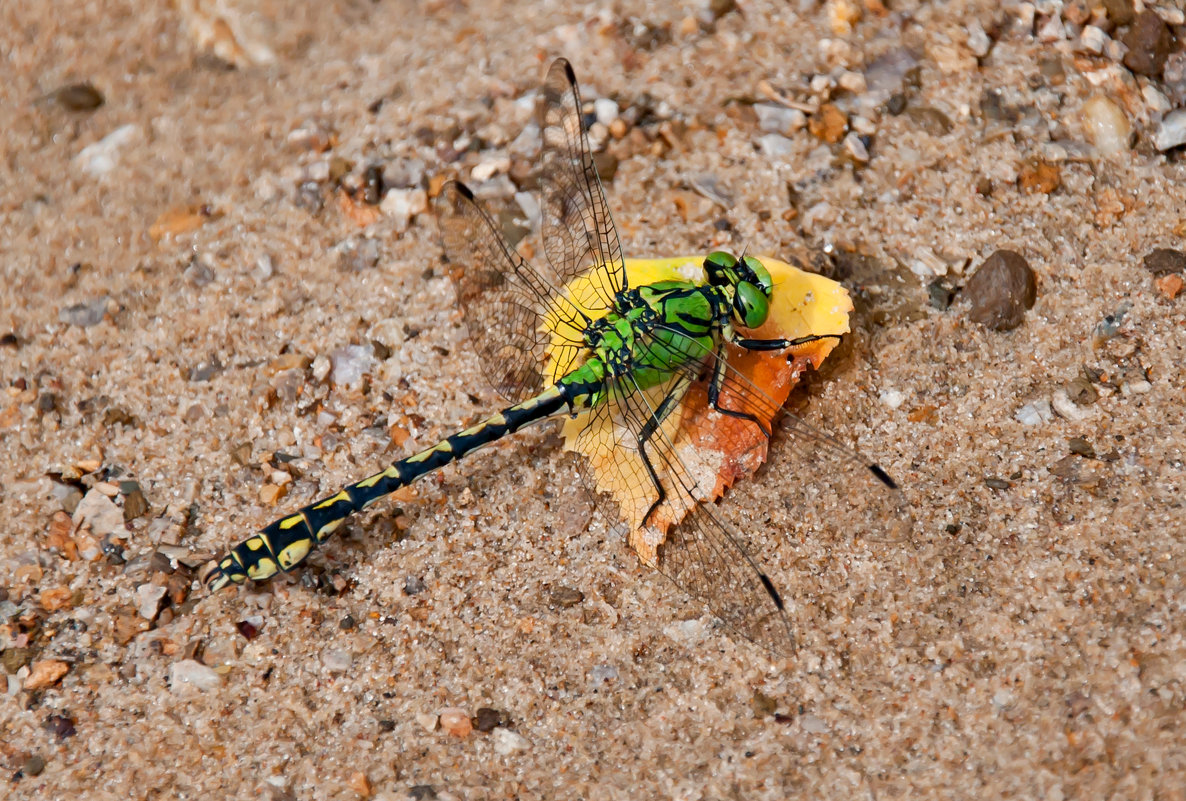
<point>172,297</point>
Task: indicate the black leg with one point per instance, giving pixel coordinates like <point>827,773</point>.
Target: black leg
<point>648,430</point>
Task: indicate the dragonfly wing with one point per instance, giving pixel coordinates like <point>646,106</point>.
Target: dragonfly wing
<point>578,232</point>
<point>703,554</point>
<point>503,297</point>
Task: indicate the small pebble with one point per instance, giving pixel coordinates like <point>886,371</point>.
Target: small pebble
<point>426,721</point>
<point>1171,131</point>
<point>507,742</point>
<point>336,660</point>
<point>1081,447</point>
<point>350,364</point>
<point>60,726</point>
<point>605,110</point>
<point>456,722</point>
<point>79,97</point>
<point>1106,125</point>
<point>1169,285</point>
<point>1035,413</point>
<point>403,174</point>
<point>1163,261</point>
<point>190,672</point>
<point>777,118</point>
<point>997,483</point>
<point>775,146</point>
<point>565,597</point>
<point>892,398</point>
<point>488,719</point>
<point>86,314</point>
<point>99,158</point>
<point>148,600</point>
<point>1082,392</point>
<point>1149,41</point>
<point>854,145</point>
<point>1067,409</point>
<point>34,765</point>
<point>45,673</point>
<point>404,204</point>
<point>97,510</point>
<point>1001,291</point>
<point>413,585</point>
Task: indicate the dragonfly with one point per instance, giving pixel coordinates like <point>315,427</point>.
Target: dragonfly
<point>619,357</point>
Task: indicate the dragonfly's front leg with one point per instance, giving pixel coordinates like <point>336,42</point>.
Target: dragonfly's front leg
<point>672,400</point>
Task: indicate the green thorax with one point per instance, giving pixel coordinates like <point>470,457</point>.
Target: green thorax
<point>652,331</point>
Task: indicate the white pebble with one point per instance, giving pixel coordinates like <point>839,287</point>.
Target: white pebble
<point>507,742</point>
<point>1093,39</point>
<point>350,364</point>
<point>892,398</point>
<point>775,146</point>
<point>605,110</point>
<point>1171,132</point>
<point>190,672</point>
<point>404,204</point>
<point>103,516</point>
<point>1035,413</point>
<point>321,367</point>
<point>490,166</point>
<point>99,158</point>
<point>1129,388</point>
<point>774,118</point>
<point>148,600</point>
<point>813,724</point>
<point>1107,126</point>
<point>336,661</point>
<point>856,148</point>
<point>1067,408</point>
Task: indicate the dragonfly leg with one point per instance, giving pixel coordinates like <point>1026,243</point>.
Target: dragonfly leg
<point>719,372</point>
<point>781,344</point>
<point>648,430</point>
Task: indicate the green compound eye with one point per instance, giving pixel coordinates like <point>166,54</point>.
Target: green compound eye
<point>751,304</point>
<point>720,260</point>
<point>761,276</point>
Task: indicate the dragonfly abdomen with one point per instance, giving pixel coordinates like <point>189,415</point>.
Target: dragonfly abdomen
<point>285,543</point>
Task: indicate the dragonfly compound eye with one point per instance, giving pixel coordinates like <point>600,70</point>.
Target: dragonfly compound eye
<point>758,275</point>
<point>720,268</point>
<point>750,304</point>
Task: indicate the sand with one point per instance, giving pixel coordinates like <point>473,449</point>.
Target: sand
<point>183,264</point>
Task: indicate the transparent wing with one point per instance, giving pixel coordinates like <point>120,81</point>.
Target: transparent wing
<point>504,298</point>
<point>825,488</point>
<point>704,555</point>
<point>827,485</point>
<point>578,233</point>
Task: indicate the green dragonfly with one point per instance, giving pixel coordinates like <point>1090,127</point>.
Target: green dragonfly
<point>623,357</point>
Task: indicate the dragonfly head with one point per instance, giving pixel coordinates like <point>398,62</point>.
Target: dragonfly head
<point>749,281</point>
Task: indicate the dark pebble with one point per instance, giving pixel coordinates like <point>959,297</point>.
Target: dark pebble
<point>422,792</point>
<point>1120,12</point>
<point>160,562</point>
<point>13,659</point>
<point>565,597</point>
<point>1150,42</point>
<point>47,402</point>
<point>1164,261</point>
<point>896,104</point>
<point>9,340</point>
<point>79,97</point>
<point>1081,447</point>
<point>997,483</point>
<point>940,294</point>
<point>1081,392</point>
<point>386,725</point>
<point>135,505</point>
<point>413,585</point>
<point>33,766</point>
<point>347,623</point>
<point>487,719</point>
<point>60,726</point>
<point>1001,291</point>
<point>248,630</point>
